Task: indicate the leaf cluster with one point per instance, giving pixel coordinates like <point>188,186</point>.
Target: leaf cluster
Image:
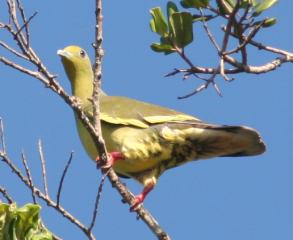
<point>176,30</point>
<point>22,223</point>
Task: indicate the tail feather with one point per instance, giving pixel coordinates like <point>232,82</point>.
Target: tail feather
<point>237,141</point>
<point>209,140</point>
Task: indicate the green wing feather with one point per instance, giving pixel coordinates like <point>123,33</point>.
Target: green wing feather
<point>126,111</point>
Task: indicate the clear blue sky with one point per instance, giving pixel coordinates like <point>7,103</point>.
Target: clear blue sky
<point>227,198</point>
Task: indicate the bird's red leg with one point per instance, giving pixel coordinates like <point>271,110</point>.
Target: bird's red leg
<point>112,158</point>
<point>140,197</point>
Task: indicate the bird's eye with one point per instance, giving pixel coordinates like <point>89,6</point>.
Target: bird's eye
<point>82,53</point>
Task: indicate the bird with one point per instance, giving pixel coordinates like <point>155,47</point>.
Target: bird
<point>144,140</point>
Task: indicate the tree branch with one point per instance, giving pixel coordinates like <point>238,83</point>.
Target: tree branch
<point>43,164</point>
<point>49,80</point>
<point>5,194</point>
<point>37,192</point>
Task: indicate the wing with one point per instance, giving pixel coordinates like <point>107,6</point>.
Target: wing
<point>126,111</point>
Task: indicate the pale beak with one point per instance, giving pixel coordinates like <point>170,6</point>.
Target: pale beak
<point>64,53</point>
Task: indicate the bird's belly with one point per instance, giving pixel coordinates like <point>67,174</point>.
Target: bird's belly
<point>141,158</point>
<point>142,149</point>
<point>146,149</point>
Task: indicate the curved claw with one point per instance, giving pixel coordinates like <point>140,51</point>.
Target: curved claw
<point>112,158</point>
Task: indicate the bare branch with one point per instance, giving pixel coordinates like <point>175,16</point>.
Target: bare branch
<point>6,195</point>
<point>270,66</point>
<point>262,46</point>
<point>26,23</point>
<point>18,54</point>
<point>29,176</point>
<point>25,26</point>
<point>143,214</point>
<point>127,196</point>
<point>2,137</point>
<point>63,177</point>
<point>204,86</point>
<point>245,40</point>
<point>98,198</point>
<point>18,36</point>
<point>99,53</point>
<point>231,20</point>
<point>43,164</point>
<point>209,33</point>
<point>37,192</point>
<point>20,68</point>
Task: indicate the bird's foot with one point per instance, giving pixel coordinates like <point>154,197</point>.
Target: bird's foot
<point>112,158</point>
<point>138,199</point>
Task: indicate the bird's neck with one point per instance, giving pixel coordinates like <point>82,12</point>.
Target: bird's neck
<point>82,85</point>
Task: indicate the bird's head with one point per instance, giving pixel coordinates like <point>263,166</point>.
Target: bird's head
<point>76,63</point>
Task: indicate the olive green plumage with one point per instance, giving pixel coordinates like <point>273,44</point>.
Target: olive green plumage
<point>151,138</point>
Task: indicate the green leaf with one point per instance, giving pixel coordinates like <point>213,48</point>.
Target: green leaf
<point>266,22</point>
<point>181,29</point>
<point>171,8</point>
<point>165,48</point>
<point>226,6</point>
<point>269,22</point>
<point>246,3</point>
<point>254,2</point>
<point>194,3</point>
<point>158,22</point>
<point>262,6</point>
<point>199,18</point>
<point>22,223</point>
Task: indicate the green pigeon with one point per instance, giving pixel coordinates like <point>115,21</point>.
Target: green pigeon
<point>144,140</point>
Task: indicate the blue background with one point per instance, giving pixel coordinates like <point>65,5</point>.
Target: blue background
<point>224,198</point>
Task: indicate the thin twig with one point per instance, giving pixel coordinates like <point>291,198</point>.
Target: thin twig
<point>98,198</point>
<point>22,14</point>
<point>245,40</point>
<point>176,71</point>
<point>209,33</point>
<point>6,195</point>
<point>262,46</point>
<point>231,20</point>
<point>24,26</point>
<point>245,14</point>
<point>2,136</point>
<point>43,164</point>
<point>63,177</point>
<point>20,68</point>
<point>16,53</point>
<point>47,199</point>
<point>182,54</point>
<point>29,176</point>
<point>203,86</point>
<point>18,36</point>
